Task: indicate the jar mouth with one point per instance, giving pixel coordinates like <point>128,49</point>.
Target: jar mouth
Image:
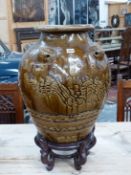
<point>65,28</point>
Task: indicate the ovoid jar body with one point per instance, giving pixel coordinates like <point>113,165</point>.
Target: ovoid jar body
<point>64,79</point>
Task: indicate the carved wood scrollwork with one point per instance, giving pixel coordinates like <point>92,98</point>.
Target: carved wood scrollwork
<point>6,104</point>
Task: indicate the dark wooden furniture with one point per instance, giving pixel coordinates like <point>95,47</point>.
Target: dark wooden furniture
<point>112,53</point>
<point>124,100</point>
<point>125,52</point>
<point>118,71</point>
<point>25,34</point>
<point>11,104</point>
<point>110,40</point>
<point>123,64</point>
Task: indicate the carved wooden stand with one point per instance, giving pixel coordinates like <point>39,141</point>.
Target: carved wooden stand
<point>80,150</point>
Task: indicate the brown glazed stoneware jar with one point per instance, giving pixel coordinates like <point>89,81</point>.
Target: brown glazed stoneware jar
<point>64,79</point>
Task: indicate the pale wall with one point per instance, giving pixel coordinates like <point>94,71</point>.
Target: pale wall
<point>106,12</point>
<point>103,13</point>
<point>4,34</point>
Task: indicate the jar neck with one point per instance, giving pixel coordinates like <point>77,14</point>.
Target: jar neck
<point>64,38</point>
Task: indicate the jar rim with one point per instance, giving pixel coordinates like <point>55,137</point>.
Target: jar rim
<point>65,28</point>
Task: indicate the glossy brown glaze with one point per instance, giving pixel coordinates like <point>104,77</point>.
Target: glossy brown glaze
<point>64,79</point>
<point>65,28</point>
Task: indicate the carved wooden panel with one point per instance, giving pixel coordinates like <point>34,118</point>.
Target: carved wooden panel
<point>11,105</point>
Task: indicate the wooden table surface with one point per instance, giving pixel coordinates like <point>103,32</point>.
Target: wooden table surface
<point>110,156</point>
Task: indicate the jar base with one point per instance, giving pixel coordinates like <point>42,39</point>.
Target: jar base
<point>77,150</point>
